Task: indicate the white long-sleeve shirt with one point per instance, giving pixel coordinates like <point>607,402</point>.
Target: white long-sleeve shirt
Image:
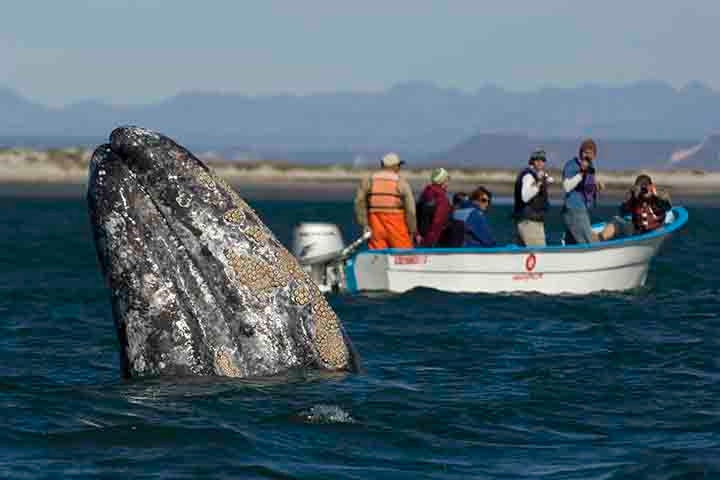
<point>570,183</point>
<point>530,187</point>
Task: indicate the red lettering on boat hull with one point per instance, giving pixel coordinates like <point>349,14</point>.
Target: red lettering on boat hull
<point>527,277</point>
<point>410,260</point>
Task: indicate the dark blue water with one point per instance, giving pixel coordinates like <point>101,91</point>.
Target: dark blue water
<point>457,386</point>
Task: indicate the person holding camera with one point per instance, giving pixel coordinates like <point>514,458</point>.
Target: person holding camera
<point>581,188</point>
<point>646,207</point>
<point>531,201</point>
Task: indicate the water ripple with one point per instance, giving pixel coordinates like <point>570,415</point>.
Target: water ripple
<point>609,386</point>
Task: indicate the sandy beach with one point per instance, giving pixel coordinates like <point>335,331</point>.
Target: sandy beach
<point>64,172</point>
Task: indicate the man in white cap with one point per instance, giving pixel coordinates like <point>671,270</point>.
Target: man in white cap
<point>385,205</point>
<point>433,209</point>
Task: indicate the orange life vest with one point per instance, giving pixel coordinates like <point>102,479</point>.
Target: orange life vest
<point>384,193</point>
<point>645,217</point>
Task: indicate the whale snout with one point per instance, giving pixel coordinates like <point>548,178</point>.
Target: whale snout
<point>199,285</point>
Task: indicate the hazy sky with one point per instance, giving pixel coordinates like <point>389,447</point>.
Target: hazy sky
<point>59,52</point>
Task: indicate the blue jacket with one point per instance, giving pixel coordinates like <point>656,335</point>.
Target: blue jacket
<point>584,194</point>
<point>477,229</point>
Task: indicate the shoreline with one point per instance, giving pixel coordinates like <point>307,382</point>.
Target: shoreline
<point>65,173</point>
<point>343,190</point>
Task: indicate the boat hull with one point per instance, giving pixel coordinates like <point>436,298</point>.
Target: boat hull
<point>579,269</point>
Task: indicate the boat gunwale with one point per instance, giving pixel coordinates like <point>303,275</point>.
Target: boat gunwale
<point>681,219</point>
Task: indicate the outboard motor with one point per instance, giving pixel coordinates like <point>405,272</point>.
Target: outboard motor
<point>320,249</point>
<point>317,246</point>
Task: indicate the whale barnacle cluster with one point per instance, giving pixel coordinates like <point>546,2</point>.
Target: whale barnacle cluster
<point>205,180</point>
<point>183,199</point>
<point>288,263</point>
<point>225,364</point>
<point>301,295</point>
<point>328,339</point>
<point>235,215</point>
<point>256,233</point>
<point>255,273</point>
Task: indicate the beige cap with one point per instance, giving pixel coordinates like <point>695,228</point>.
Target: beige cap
<point>392,160</point>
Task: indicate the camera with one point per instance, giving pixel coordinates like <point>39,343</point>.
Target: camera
<point>640,191</point>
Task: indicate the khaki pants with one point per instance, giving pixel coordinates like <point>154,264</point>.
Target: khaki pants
<point>530,233</point>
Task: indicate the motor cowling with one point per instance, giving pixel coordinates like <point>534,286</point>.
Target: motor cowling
<point>318,247</point>
<point>317,242</point>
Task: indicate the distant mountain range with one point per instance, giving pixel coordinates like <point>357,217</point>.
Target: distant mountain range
<point>642,124</point>
<point>507,150</point>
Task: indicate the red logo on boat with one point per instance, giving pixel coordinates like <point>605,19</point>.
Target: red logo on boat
<point>530,262</point>
<point>410,259</point>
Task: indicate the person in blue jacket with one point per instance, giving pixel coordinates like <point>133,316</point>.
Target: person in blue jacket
<point>581,189</point>
<point>472,214</point>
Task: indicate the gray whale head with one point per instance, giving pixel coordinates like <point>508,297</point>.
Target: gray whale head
<point>199,285</point>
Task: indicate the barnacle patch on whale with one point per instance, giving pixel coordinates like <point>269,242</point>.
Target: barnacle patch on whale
<point>256,273</point>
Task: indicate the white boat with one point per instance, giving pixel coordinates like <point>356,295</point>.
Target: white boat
<point>612,265</point>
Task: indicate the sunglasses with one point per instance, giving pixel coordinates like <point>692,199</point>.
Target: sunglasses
<point>484,200</point>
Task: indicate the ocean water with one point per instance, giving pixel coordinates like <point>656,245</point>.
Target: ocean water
<point>607,386</point>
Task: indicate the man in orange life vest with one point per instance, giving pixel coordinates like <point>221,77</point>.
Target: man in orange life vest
<point>385,205</point>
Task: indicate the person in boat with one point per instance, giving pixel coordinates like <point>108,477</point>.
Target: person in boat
<point>471,214</point>
<point>385,206</point>
<point>581,188</point>
<point>646,206</point>
<point>459,198</point>
<point>531,201</point>
<point>453,235</point>
<point>433,209</point>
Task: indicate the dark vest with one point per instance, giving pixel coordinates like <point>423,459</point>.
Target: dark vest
<point>425,211</point>
<point>453,236</point>
<point>537,206</point>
